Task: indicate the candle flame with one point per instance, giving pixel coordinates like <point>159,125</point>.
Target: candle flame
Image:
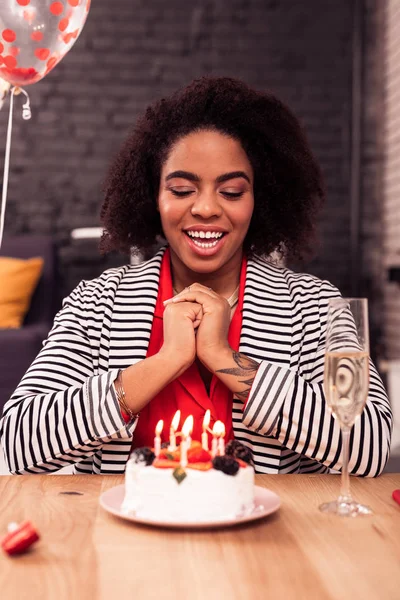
<point>187,426</point>
<point>175,420</point>
<point>159,427</point>
<point>206,420</point>
<point>219,429</point>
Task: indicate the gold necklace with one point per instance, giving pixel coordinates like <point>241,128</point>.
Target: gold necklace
<point>232,300</point>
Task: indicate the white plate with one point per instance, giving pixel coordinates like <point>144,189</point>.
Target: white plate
<point>266,503</point>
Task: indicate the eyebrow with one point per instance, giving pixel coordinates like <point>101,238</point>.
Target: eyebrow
<point>196,178</point>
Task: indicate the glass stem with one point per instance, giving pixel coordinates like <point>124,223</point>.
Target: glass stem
<point>345,495</point>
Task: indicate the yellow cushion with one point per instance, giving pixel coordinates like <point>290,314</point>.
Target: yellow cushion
<point>18,280</point>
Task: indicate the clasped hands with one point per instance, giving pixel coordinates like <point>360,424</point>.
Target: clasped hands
<point>196,323</point>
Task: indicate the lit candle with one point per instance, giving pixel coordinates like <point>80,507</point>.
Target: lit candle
<point>172,431</point>
<point>157,439</point>
<point>186,431</point>
<point>221,441</point>
<point>214,443</point>
<point>204,435</point>
<point>189,439</point>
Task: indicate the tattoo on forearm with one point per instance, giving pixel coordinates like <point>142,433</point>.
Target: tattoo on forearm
<point>246,367</point>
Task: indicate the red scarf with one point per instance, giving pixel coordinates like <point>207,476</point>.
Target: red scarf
<point>187,393</point>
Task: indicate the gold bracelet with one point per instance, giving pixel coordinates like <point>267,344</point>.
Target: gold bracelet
<point>120,393</point>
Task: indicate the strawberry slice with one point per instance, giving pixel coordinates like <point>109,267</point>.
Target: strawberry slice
<point>200,466</point>
<point>169,455</point>
<point>198,455</point>
<point>164,463</point>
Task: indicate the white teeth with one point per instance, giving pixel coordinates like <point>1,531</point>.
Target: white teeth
<point>208,234</point>
<point>205,245</point>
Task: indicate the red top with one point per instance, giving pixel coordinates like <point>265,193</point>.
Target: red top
<point>188,392</point>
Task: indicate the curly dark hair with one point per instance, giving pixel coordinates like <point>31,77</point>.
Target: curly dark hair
<point>288,186</point>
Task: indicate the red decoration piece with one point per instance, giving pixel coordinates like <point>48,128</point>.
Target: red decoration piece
<point>20,76</point>
<point>29,15</point>
<point>57,8</point>
<point>396,496</point>
<point>63,24</point>
<point>9,35</point>
<point>74,2</point>
<point>1,60</point>
<point>42,53</point>
<point>1,47</point>
<point>23,2</point>
<point>10,62</point>
<point>51,63</point>
<point>19,540</point>
<point>37,36</point>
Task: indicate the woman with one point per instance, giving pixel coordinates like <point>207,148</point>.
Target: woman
<point>225,174</point>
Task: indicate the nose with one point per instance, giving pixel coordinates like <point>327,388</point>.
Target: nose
<point>206,205</point>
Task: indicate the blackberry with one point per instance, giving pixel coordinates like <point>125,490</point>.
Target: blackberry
<point>239,450</point>
<point>143,455</point>
<point>226,464</point>
<point>231,447</point>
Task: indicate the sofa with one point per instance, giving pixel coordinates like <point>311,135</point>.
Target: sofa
<point>19,347</point>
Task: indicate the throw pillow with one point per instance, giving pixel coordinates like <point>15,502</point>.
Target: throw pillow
<point>18,280</point>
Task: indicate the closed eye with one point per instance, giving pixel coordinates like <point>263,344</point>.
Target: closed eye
<point>187,193</point>
<point>232,194</point>
<point>181,194</point>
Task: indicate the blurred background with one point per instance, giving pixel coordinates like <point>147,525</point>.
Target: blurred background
<point>336,63</point>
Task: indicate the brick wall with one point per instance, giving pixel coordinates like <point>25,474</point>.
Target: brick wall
<point>391,176</point>
<point>133,51</point>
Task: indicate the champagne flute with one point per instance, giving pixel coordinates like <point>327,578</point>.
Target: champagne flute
<point>346,380</point>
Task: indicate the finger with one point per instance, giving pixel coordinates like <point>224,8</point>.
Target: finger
<point>193,288</point>
<point>198,296</point>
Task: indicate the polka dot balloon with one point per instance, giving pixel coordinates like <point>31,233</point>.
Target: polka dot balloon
<point>36,34</point>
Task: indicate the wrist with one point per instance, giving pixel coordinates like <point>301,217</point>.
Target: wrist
<point>216,358</point>
<point>172,361</point>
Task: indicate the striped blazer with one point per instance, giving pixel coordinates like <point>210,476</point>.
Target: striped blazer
<point>65,410</point>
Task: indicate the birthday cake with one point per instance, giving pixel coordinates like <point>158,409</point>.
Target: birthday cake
<point>206,489</point>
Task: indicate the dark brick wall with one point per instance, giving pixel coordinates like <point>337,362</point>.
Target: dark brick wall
<point>133,51</point>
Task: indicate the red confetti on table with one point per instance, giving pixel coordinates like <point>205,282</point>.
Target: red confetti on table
<point>9,35</point>
<point>1,47</point>
<point>396,496</point>
<point>74,2</point>
<point>19,538</point>
<point>57,8</point>
<point>23,2</point>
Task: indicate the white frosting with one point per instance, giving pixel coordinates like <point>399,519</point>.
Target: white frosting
<point>154,494</point>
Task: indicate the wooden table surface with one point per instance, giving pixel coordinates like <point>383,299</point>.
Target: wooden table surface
<point>296,553</point>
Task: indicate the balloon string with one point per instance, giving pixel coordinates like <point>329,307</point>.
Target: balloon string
<point>26,114</point>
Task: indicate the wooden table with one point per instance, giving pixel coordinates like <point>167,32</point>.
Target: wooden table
<point>85,553</point>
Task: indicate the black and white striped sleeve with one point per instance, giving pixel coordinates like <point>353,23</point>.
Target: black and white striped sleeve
<point>291,408</point>
<point>62,412</point>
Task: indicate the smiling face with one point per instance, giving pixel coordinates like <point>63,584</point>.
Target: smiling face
<point>206,202</point>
